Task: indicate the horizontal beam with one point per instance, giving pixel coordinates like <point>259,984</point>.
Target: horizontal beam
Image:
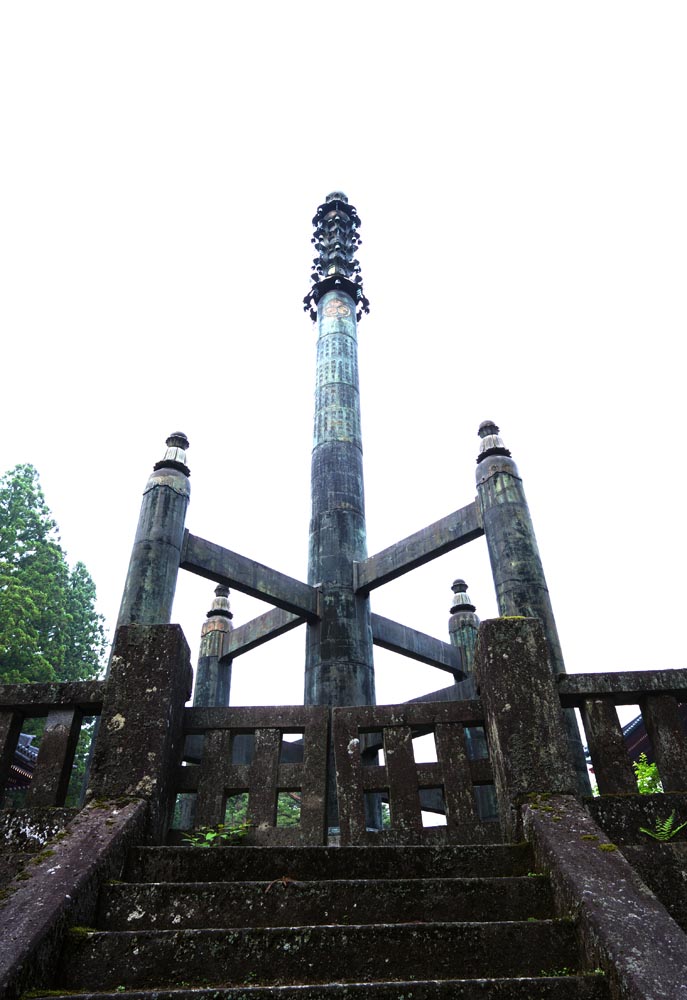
<point>259,630</point>
<point>443,536</point>
<point>417,645</point>
<point>38,698</point>
<point>625,687</point>
<point>232,570</point>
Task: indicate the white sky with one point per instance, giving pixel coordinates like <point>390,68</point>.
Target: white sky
<point>519,169</point>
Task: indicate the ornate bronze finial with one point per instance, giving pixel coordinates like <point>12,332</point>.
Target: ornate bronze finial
<point>461,599</point>
<point>336,241</point>
<point>491,443</point>
<point>220,603</point>
<point>175,455</point>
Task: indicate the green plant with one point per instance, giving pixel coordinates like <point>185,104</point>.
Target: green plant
<point>215,836</point>
<point>648,781</point>
<point>664,829</point>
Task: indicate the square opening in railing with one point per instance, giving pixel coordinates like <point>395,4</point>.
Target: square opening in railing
<point>424,748</point>
<point>23,763</point>
<point>236,810</point>
<point>433,806</point>
<point>485,802</point>
<point>377,810</point>
<point>476,743</point>
<point>289,808</point>
<point>291,750</point>
<point>242,748</point>
<point>372,749</point>
<point>184,817</point>
<point>77,781</point>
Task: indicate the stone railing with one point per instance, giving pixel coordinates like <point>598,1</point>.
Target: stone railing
<point>658,694</point>
<point>246,750</point>
<point>345,762</point>
<point>64,707</point>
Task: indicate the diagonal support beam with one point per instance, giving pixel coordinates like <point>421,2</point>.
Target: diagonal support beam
<point>259,630</point>
<point>456,529</point>
<point>233,570</point>
<point>417,645</point>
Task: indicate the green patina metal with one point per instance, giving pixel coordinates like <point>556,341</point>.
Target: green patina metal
<point>339,665</point>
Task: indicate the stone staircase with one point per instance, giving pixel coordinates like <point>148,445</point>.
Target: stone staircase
<point>409,922</point>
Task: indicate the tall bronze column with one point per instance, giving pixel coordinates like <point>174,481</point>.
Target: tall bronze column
<point>339,668</point>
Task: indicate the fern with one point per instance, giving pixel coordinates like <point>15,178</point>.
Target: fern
<point>665,829</point>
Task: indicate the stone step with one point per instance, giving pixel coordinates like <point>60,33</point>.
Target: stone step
<point>589,987</point>
<point>318,954</point>
<point>223,864</point>
<point>178,906</point>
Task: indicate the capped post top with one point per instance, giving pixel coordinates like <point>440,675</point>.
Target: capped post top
<point>220,603</point>
<point>460,600</point>
<point>491,443</point>
<point>336,240</point>
<point>175,454</point>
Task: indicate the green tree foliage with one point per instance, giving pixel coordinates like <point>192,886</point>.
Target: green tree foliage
<point>49,628</point>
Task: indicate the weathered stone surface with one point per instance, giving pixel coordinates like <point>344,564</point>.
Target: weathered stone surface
<point>627,687</point>
<point>55,758</point>
<point>25,832</point>
<point>61,889</point>
<point>527,740</point>
<point>187,864</point>
<point>607,749</point>
<point>317,953</point>
<point>402,777</point>
<point>668,739</point>
<point>140,742</point>
<point>625,929</point>
<point>523,988</point>
<point>265,771</point>
<point>664,869</point>
<point>180,906</point>
<point>621,816</point>
<point>39,699</point>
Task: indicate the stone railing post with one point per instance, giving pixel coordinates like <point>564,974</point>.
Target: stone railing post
<point>526,733</point>
<point>140,741</point>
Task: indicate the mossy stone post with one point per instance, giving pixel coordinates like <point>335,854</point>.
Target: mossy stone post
<point>528,743</point>
<point>140,742</point>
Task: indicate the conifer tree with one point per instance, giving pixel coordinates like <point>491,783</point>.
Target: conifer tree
<point>49,628</point>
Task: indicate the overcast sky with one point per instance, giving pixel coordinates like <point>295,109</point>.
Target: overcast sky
<point>519,169</point>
